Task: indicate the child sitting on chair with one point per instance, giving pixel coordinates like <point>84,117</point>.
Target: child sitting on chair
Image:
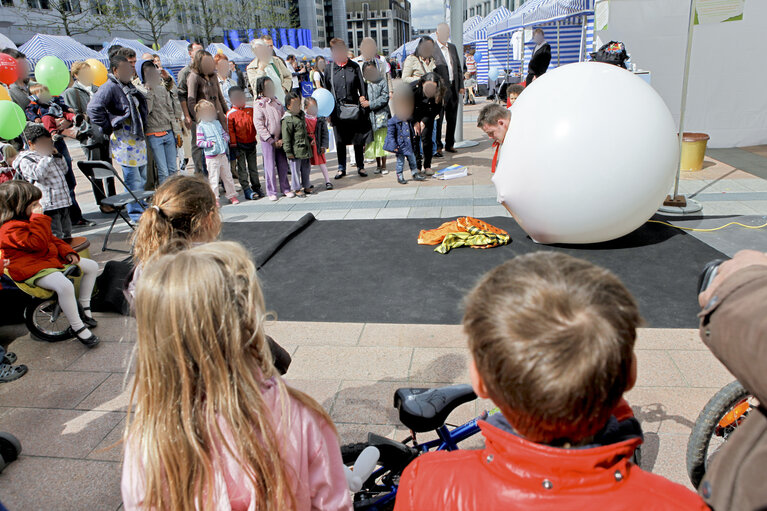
<point>552,345</point>
<point>46,168</point>
<point>38,258</point>
<point>46,109</point>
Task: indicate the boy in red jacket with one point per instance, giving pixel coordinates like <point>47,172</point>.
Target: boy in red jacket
<point>552,342</point>
<point>242,144</point>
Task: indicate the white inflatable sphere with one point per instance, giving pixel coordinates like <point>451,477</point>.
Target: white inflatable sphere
<point>590,154</point>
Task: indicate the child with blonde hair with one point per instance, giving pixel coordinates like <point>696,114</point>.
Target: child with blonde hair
<point>214,426</point>
<point>213,140</point>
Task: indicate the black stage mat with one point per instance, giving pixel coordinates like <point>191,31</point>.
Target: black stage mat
<point>374,271</point>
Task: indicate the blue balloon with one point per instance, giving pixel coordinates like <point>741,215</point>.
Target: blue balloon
<point>478,56</point>
<point>325,102</point>
<point>494,73</point>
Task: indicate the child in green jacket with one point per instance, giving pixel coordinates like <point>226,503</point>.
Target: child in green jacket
<point>297,145</point>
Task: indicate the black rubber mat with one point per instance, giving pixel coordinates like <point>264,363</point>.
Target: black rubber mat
<point>374,271</point>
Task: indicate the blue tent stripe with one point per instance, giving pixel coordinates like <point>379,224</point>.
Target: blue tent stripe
<point>174,54</point>
<point>480,31</point>
<point>63,47</point>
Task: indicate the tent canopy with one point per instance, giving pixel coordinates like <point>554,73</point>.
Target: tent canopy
<point>174,53</point>
<point>61,46</point>
<point>408,48</point>
<point>536,12</point>
<point>310,53</point>
<point>470,23</point>
<point>245,50</point>
<point>6,43</point>
<point>133,44</point>
<point>232,55</point>
<point>480,30</point>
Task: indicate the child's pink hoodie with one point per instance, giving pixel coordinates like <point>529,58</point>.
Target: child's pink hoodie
<point>310,449</point>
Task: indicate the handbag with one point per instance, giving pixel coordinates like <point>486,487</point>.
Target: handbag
<point>345,111</point>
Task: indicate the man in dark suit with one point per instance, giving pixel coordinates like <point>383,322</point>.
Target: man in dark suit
<point>448,66</point>
<point>541,58</point>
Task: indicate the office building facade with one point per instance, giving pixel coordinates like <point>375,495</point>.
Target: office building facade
<point>386,21</point>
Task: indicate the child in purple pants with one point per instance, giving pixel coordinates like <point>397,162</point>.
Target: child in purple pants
<point>267,116</point>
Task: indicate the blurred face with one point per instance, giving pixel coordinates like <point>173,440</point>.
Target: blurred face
<point>238,99</point>
<point>43,145</point>
<point>208,113</point>
<point>368,49</point>
<point>132,61</point>
<point>311,108</point>
<point>208,65</point>
<point>427,49</point>
<point>232,67</point>
<point>497,132</point>
<point>124,72</point>
<point>443,33</point>
<point>321,65</point>
<point>403,109</point>
<point>512,98</point>
<point>538,38</point>
<point>151,75</point>
<point>371,74</point>
<point>22,67</point>
<point>264,52</point>
<point>222,67</point>
<point>268,89</point>
<point>269,43</point>
<point>195,49</point>
<point>295,106</point>
<point>339,53</point>
<point>85,76</point>
<point>429,89</point>
<point>157,62</point>
<point>44,96</point>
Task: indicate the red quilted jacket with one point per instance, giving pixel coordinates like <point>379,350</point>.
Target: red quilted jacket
<point>31,246</point>
<point>512,473</point>
<point>241,127</point>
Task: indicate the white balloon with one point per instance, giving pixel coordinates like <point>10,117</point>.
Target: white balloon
<point>590,154</point>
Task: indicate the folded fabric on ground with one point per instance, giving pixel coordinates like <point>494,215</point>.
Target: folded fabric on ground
<point>464,231</point>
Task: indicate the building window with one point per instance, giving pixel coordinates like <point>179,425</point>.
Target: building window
<point>373,24</point>
<point>7,3</point>
<point>385,38</point>
<point>359,35</point>
<point>38,4</point>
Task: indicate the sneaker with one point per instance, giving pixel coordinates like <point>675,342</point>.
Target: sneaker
<point>401,179</point>
<point>377,170</point>
<point>273,197</point>
<point>384,171</point>
<point>234,201</point>
<point>328,186</point>
<point>290,195</point>
<point>419,177</point>
<point>248,193</point>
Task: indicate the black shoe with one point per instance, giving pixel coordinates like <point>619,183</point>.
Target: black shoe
<point>451,150</point>
<point>362,173</point>
<point>341,173</point>
<point>401,179</point>
<point>377,170</point>
<point>88,342</point>
<point>258,194</point>
<point>89,321</point>
<point>438,154</point>
<point>328,185</point>
<point>79,120</point>
<point>84,223</point>
<point>419,177</point>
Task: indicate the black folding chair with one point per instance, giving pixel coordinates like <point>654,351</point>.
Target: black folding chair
<point>100,170</point>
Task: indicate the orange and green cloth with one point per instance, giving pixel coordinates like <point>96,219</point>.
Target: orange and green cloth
<point>464,232</point>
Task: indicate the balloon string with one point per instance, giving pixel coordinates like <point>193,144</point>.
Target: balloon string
<point>708,230</point>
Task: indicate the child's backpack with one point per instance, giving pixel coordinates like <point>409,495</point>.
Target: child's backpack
<point>613,53</point>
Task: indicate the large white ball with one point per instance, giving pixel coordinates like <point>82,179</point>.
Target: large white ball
<point>589,156</point>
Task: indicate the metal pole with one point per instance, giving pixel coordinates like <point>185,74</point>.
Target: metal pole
<point>685,80</point>
<point>558,50</point>
<point>584,34</point>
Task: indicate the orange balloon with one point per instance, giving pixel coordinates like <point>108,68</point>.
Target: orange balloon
<point>99,72</point>
<point>4,94</point>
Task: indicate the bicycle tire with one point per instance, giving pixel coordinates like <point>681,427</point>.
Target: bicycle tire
<point>36,331</point>
<point>349,454</point>
<point>705,425</point>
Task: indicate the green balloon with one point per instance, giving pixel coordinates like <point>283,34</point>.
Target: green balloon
<point>12,120</point>
<point>53,73</point>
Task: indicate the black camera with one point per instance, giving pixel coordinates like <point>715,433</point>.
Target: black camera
<point>708,274</point>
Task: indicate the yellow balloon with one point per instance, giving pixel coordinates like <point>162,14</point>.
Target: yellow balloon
<point>99,72</point>
<point>4,94</point>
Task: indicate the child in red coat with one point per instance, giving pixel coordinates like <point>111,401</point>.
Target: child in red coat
<point>242,143</point>
<point>38,258</point>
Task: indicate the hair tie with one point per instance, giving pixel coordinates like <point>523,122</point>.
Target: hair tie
<point>157,208</point>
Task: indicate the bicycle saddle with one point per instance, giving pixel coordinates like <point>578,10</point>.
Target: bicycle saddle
<point>427,409</point>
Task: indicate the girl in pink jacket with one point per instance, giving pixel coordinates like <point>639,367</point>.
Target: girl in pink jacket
<point>214,427</point>
<point>267,116</point>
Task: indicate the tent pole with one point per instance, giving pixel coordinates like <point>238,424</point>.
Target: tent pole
<point>584,34</point>
<point>558,51</point>
<point>456,35</point>
<point>679,202</point>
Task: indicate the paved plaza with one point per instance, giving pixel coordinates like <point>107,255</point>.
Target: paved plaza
<point>69,409</point>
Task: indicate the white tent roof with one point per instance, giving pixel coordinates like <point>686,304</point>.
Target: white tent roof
<point>6,43</point>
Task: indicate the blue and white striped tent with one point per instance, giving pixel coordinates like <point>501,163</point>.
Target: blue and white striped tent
<point>174,55</point>
<point>133,44</point>
<point>309,52</point>
<point>478,36</point>
<point>562,22</point>
<point>406,49</point>
<point>289,50</point>
<point>470,23</point>
<point>6,43</point>
<point>245,50</point>
<point>232,55</point>
<point>61,46</point>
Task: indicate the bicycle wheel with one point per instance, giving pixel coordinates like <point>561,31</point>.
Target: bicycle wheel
<point>46,321</point>
<point>380,484</point>
<point>719,419</point>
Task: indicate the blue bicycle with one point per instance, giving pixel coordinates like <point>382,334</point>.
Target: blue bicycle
<point>420,410</point>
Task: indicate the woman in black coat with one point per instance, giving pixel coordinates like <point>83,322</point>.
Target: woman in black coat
<point>350,125</point>
<point>428,92</point>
